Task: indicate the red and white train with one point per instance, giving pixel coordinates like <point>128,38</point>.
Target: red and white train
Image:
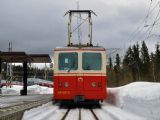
<point>80,73</point>
<point>80,70</point>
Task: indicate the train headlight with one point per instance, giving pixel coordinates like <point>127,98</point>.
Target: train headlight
<point>66,84</point>
<point>93,84</point>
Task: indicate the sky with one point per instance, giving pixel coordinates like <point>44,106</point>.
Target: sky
<point>38,26</point>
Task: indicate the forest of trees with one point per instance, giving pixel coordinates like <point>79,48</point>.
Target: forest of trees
<point>137,65</point>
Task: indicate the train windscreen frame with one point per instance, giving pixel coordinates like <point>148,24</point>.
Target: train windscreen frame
<point>91,61</point>
<point>68,61</point>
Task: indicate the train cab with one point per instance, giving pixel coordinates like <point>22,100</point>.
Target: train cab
<point>79,73</point>
<point>79,69</point>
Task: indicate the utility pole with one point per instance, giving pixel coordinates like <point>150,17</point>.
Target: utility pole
<point>9,66</point>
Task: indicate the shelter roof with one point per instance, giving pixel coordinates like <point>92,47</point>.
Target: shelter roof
<point>19,57</point>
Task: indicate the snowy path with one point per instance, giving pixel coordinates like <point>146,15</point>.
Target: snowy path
<point>53,112</point>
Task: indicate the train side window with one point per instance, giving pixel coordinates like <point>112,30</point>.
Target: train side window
<point>68,61</point>
<point>91,61</point>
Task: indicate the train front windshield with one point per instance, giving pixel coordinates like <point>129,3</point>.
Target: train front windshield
<point>68,61</point>
<point>91,61</point>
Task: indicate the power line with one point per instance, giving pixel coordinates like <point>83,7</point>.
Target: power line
<point>141,26</point>
<point>143,22</point>
<point>155,22</point>
<point>150,27</point>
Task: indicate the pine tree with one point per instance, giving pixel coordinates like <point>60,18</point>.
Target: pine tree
<point>111,74</point>
<point>145,60</point>
<point>127,66</point>
<point>117,69</point>
<point>118,61</point>
<point>127,58</point>
<point>110,63</point>
<point>152,56</point>
<point>136,67</point>
<point>157,62</point>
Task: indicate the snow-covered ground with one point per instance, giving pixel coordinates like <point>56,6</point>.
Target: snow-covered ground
<point>34,89</point>
<point>135,101</point>
<point>140,98</point>
<point>53,112</point>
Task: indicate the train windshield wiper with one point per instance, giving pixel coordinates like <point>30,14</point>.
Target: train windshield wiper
<point>72,66</point>
<point>69,69</point>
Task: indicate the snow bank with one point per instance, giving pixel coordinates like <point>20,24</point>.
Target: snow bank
<point>142,98</point>
<point>34,89</point>
<point>14,90</point>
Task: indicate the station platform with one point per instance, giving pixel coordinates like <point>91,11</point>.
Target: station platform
<point>12,107</point>
<point>14,100</point>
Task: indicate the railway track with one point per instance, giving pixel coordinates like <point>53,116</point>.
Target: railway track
<point>51,111</point>
<point>64,117</point>
<point>95,116</point>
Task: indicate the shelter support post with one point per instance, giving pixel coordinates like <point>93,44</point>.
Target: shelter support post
<point>0,68</point>
<point>24,91</point>
<point>0,74</point>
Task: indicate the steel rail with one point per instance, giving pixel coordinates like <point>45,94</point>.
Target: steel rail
<point>95,116</point>
<point>79,114</point>
<point>65,115</point>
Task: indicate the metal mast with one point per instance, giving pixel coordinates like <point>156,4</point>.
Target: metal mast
<point>78,23</point>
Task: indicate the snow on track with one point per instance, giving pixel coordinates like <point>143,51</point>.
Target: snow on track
<point>51,111</point>
<point>73,114</point>
<point>45,112</point>
<point>86,115</point>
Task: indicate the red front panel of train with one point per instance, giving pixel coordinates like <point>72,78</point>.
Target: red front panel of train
<point>68,87</point>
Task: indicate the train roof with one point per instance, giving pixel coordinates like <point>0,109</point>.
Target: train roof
<point>66,48</point>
